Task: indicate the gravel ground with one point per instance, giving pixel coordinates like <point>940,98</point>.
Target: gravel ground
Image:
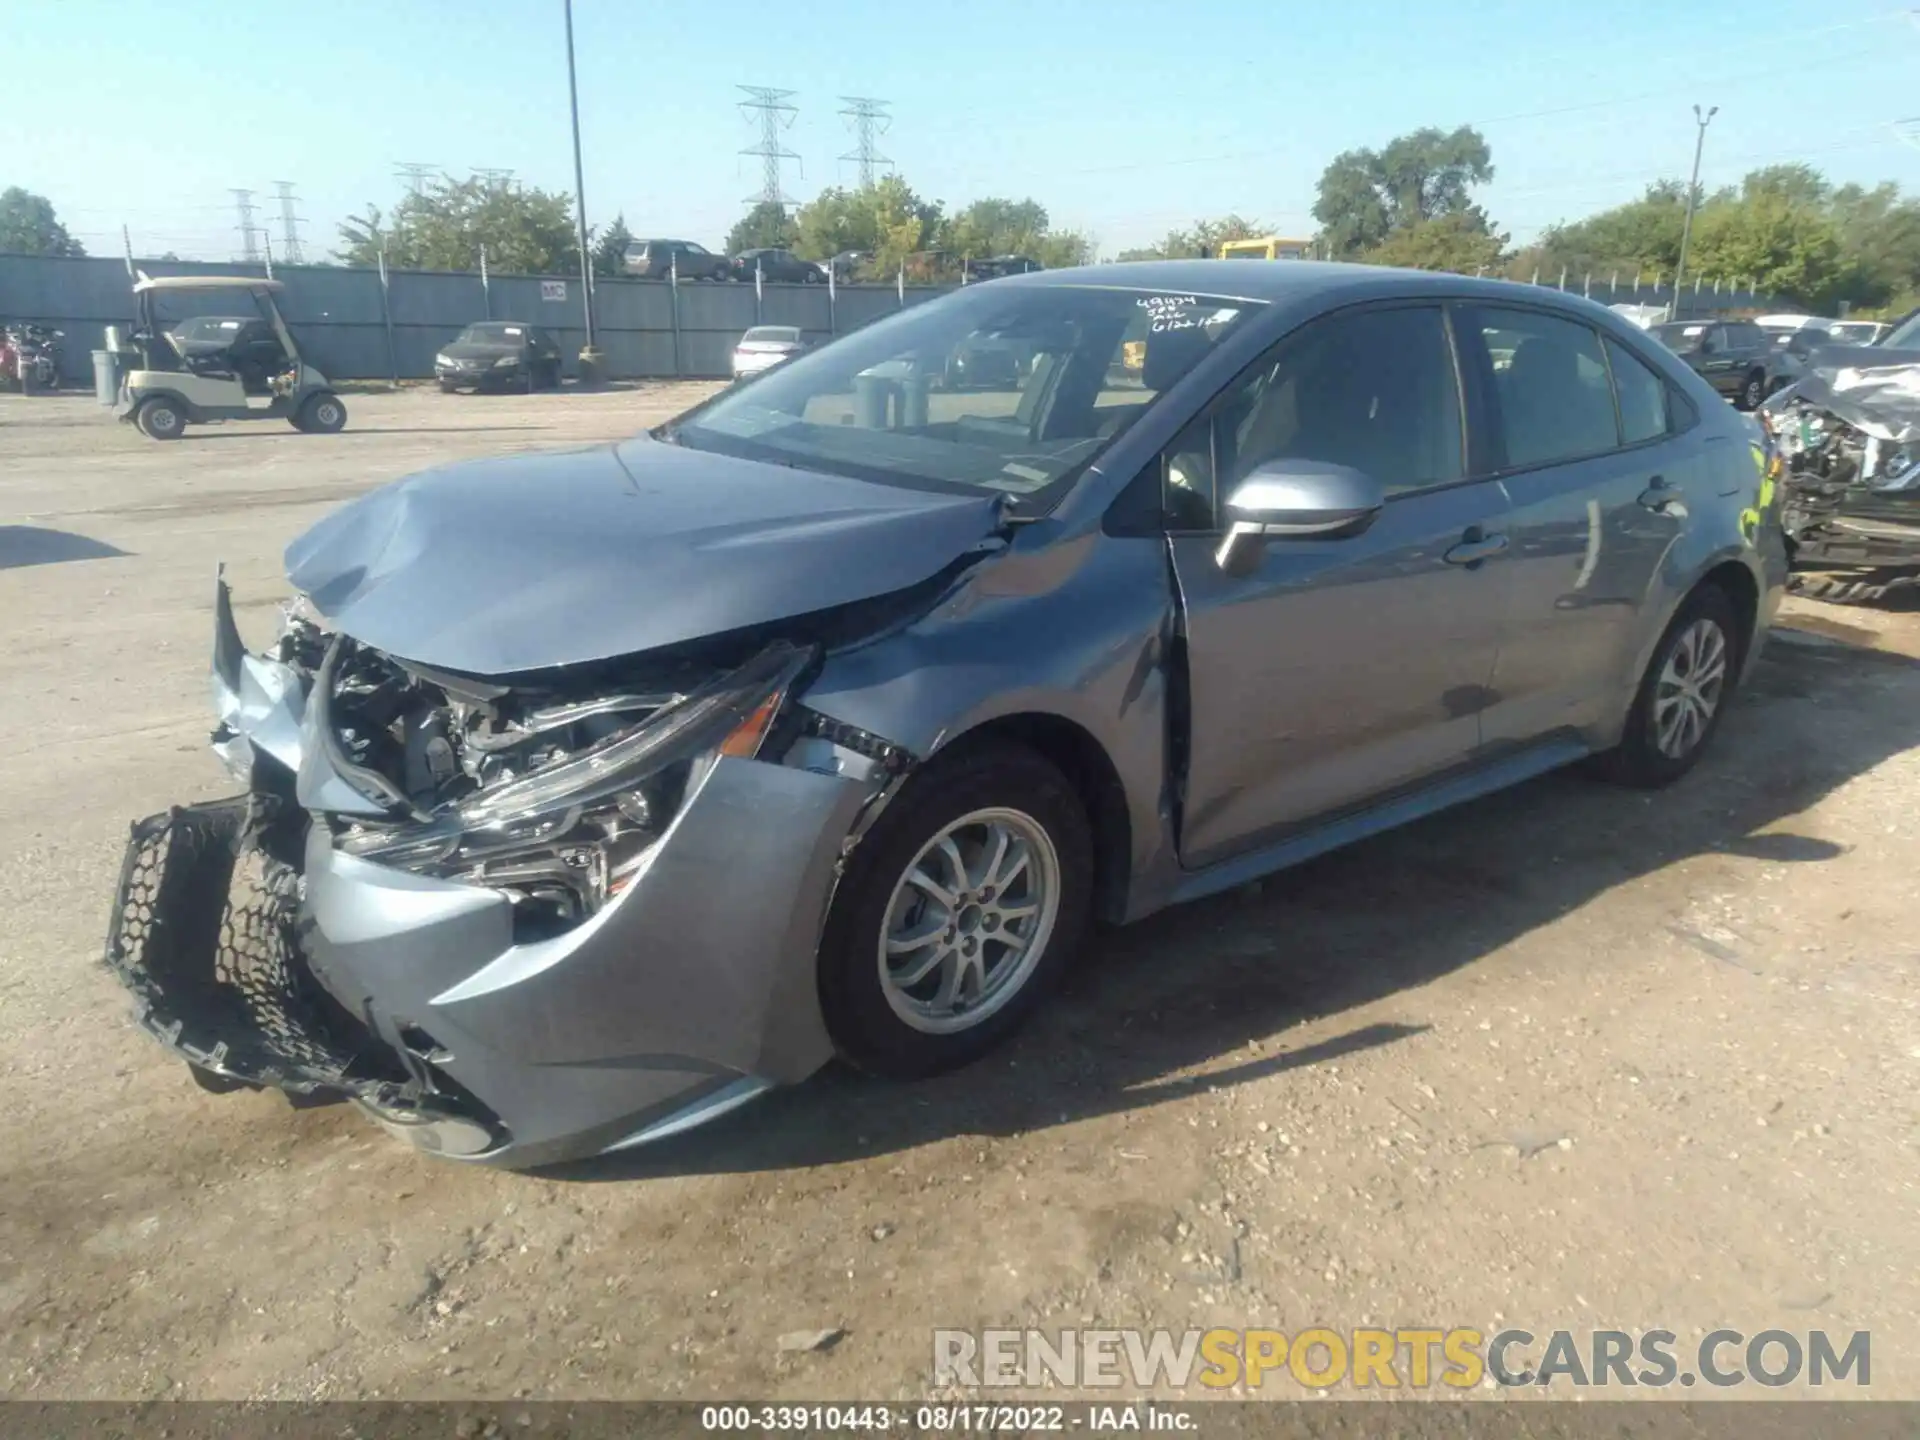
<point>1569,1057</point>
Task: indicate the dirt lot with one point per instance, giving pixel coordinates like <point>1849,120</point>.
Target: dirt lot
<point>1570,1057</point>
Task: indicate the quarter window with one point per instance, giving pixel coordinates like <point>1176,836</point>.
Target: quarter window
<point>1549,385</point>
<point>1642,395</point>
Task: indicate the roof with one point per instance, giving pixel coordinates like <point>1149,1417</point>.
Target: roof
<point>1283,280</point>
<point>206,282</point>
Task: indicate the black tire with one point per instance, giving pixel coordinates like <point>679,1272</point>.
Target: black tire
<point>447,387</point>
<point>1752,391</point>
<point>1841,589</point>
<point>321,413</point>
<point>1638,760</point>
<point>161,418</point>
<point>866,1029</point>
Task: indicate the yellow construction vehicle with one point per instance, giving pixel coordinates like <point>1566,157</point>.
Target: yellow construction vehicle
<point>1267,247</point>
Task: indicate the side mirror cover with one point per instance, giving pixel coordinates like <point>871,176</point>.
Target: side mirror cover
<point>1299,499</point>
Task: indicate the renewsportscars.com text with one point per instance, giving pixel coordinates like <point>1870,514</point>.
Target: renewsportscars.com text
<point>1321,1358</point>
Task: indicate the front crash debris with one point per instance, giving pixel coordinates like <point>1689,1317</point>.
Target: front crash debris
<point>1850,436</point>
<point>459,903</point>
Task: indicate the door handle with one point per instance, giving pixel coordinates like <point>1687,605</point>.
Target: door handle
<point>1476,545</point>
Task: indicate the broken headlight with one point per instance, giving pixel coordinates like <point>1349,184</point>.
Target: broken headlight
<point>566,837</point>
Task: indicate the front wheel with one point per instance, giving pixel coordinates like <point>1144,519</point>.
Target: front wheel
<point>963,905</point>
<point>322,413</point>
<point>1683,694</point>
<point>160,419</point>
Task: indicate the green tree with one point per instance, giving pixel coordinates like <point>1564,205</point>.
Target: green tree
<point>766,226</point>
<point>610,249</point>
<point>887,220</point>
<point>1781,246</point>
<point>1879,234</point>
<point>526,231</point>
<point>1202,239</point>
<point>1643,234</point>
<point>1458,242</point>
<point>28,226</point>
<point>1366,195</point>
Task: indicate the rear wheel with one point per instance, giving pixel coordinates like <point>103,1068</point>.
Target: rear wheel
<point>1683,694</point>
<point>322,413</point>
<point>1753,391</point>
<point>962,906</point>
<point>160,418</point>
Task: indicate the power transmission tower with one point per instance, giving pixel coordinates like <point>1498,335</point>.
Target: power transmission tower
<point>867,119</point>
<point>492,176</point>
<point>289,224</point>
<point>776,114</point>
<point>414,173</point>
<point>249,232</point>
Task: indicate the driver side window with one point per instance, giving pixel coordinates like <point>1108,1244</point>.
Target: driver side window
<point>1375,390</point>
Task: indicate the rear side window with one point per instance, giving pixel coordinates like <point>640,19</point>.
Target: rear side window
<point>1642,395</point>
<point>1550,386</point>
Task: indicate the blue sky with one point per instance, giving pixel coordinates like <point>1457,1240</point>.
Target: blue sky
<point>1124,118</point>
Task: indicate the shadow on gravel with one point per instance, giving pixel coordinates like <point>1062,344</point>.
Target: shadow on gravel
<point>1196,986</point>
<point>267,433</point>
<point>23,545</point>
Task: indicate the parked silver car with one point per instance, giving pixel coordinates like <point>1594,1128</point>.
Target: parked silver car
<point>765,346</point>
<point>589,794</point>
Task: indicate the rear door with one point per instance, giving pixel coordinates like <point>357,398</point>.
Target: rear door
<point>1337,670</point>
<point>1581,429</point>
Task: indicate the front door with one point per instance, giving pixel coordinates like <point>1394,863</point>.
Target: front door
<point>1337,670</point>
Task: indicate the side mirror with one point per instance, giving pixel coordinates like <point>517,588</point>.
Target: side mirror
<point>1297,499</point>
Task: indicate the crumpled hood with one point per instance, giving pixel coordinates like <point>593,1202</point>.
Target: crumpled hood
<point>494,567</point>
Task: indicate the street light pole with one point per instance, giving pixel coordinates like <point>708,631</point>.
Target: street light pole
<point>1693,190</point>
<point>589,356</point>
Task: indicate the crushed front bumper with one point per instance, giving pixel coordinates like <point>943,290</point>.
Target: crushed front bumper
<point>267,958</point>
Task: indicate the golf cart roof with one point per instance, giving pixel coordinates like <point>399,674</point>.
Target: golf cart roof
<point>206,282</point>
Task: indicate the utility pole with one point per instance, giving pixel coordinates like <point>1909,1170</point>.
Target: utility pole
<point>289,224</point>
<point>249,234</point>
<point>589,355</point>
<point>1693,193</point>
<point>776,114</point>
<point>867,119</point>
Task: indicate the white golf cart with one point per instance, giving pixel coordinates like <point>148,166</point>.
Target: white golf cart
<point>178,380</point>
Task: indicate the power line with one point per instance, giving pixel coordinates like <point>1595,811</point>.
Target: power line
<point>289,224</point>
<point>867,119</point>
<point>776,114</point>
<point>249,233</point>
<point>414,173</point>
<point>493,176</point>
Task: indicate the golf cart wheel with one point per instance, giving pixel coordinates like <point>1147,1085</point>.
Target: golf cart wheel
<point>322,413</point>
<point>1754,391</point>
<point>960,909</point>
<point>160,418</point>
<point>1683,696</point>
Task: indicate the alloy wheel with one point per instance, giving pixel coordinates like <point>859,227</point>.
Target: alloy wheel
<point>1690,688</point>
<point>969,920</point>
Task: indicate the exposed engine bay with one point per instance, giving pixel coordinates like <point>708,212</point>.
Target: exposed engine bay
<point>1850,438</point>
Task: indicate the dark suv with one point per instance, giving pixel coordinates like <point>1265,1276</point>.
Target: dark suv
<point>654,260</point>
<point>1734,356</point>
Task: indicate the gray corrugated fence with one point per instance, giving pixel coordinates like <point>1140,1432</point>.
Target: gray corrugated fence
<point>336,313</point>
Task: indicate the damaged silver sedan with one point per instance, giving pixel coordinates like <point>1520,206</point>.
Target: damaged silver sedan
<point>589,795</point>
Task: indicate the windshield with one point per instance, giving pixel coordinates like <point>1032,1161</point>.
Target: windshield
<point>492,334</point>
<point>1904,336</point>
<point>1008,388</point>
<point>785,333</point>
